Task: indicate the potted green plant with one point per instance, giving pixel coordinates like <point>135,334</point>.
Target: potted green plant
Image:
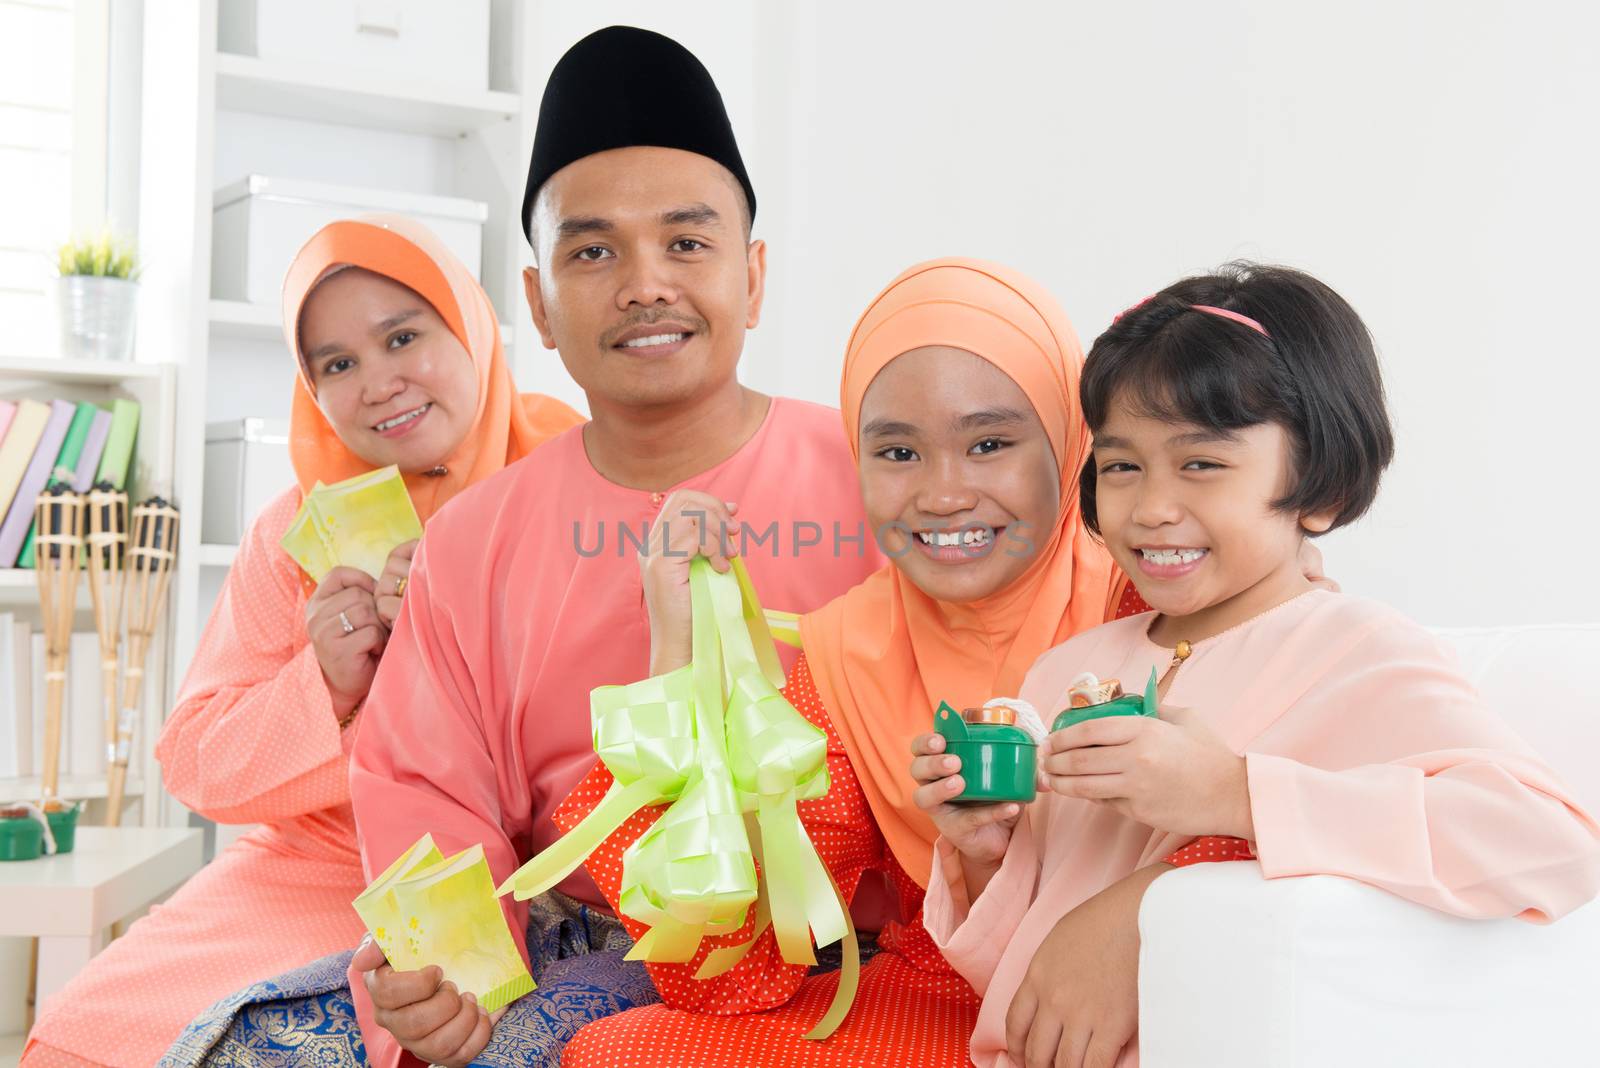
<point>98,296</point>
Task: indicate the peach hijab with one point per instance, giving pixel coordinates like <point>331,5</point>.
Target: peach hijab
<point>507,425</point>
<point>885,654</point>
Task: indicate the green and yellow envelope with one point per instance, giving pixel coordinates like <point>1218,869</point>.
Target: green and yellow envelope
<point>355,523</point>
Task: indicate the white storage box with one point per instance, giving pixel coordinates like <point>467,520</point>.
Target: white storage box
<point>419,41</point>
<point>247,465</point>
<point>259,223</point>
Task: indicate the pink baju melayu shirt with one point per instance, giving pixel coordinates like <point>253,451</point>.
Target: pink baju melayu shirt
<point>1369,756</point>
<point>524,595</point>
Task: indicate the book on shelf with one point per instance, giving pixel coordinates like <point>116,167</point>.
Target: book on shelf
<point>63,442</point>
<point>21,440</point>
<point>22,703</point>
<point>119,444</point>
<point>93,448</point>
<point>20,516</point>
<point>65,469</point>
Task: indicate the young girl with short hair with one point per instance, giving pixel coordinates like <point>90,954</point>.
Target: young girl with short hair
<point>1234,415</point>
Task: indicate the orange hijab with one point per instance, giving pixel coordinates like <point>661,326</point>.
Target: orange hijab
<point>885,654</point>
<point>507,425</point>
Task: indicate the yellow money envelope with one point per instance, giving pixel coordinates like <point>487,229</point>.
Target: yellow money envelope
<point>430,909</point>
<point>355,523</point>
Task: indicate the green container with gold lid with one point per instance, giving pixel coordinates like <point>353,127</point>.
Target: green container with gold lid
<point>997,757</point>
<point>1115,703</point>
<point>21,835</point>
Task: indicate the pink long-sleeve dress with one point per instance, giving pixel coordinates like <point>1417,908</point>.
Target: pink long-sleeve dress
<point>1368,756</point>
<point>253,739</point>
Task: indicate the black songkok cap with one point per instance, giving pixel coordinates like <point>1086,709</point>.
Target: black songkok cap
<point>620,87</point>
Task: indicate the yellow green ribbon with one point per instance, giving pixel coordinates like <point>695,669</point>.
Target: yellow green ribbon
<point>778,758</point>
<point>644,734</point>
<point>784,627</point>
<point>719,744</point>
<point>693,873</point>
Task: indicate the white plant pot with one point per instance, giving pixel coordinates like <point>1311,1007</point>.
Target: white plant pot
<point>97,317</point>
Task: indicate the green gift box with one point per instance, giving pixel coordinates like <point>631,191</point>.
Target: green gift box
<point>64,826</point>
<point>21,838</point>
<point>997,759</point>
<point>1129,704</point>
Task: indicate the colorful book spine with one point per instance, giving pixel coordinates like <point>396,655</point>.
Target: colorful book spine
<point>20,515</point>
<point>65,469</point>
<point>119,444</point>
<point>8,411</point>
<point>18,448</point>
<point>93,448</point>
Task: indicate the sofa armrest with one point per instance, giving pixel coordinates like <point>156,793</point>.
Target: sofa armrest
<point>1243,971</point>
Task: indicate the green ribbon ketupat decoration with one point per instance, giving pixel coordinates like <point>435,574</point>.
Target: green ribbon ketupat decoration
<point>718,744</point>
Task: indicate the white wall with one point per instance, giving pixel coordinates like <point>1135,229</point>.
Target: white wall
<point>1435,162</point>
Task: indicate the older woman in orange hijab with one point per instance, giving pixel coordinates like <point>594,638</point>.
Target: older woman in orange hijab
<point>399,362</point>
<point>959,398</point>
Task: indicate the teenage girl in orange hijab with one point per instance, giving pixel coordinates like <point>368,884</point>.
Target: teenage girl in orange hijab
<point>399,362</point>
<point>959,399</point>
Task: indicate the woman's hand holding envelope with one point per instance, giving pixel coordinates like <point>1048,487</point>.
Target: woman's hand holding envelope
<point>347,635</point>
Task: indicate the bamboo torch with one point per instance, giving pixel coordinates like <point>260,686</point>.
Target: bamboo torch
<point>58,540</point>
<point>107,538</point>
<point>152,551</point>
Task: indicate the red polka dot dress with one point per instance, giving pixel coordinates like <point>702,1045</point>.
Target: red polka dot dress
<point>911,1007</point>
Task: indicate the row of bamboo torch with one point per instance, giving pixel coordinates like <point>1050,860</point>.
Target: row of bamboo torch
<point>130,568</point>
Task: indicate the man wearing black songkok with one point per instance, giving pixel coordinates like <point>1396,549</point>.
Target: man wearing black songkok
<point>639,210</point>
<point>623,87</point>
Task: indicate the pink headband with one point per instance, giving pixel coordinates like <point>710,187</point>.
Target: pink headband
<point>1209,310</point>
<point>1235,316</point>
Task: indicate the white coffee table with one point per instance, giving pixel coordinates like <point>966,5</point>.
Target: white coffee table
<point>69,902</point>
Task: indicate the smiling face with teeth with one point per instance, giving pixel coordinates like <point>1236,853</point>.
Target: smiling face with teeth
<point>957,473</point>
<point>394,383</point>
<point>647,279</point>
<point>1189,514</point>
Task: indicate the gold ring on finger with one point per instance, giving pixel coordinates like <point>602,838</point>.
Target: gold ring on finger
<point>400,586</point>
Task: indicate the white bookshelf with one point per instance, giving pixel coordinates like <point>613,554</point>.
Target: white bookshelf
<point>396,102</point>
<point>153,470</point>
<point>241,319</point>
<point>208,118</point>
<point>22,369</point>
<point>18,588</point>
<point>75,787</point>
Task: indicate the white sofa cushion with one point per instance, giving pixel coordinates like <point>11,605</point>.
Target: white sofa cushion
<point>1545,681</point>
<point>1239,971</point>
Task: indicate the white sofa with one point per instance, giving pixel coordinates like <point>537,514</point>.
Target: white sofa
<point>1243,972</point>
